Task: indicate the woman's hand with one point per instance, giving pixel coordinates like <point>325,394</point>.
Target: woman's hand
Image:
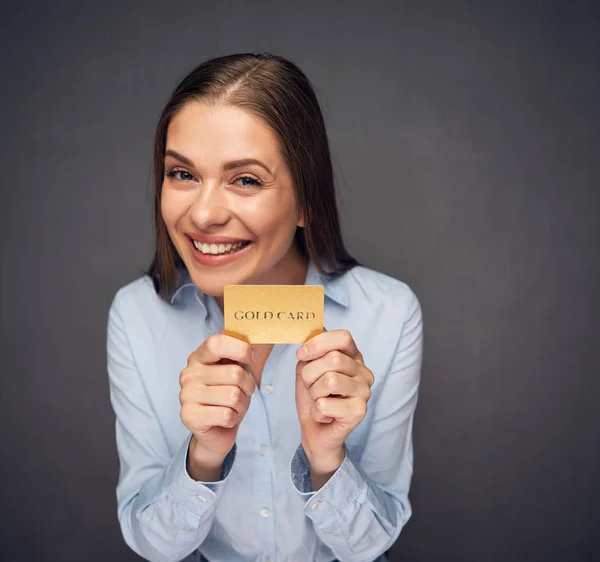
<point>215,395</point>
<point>333,386</point>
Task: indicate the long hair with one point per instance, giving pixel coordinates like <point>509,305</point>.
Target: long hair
<point>277,91</point>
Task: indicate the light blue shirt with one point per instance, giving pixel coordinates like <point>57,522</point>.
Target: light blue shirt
<point>263,508</point>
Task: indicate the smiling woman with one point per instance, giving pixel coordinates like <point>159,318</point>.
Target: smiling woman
<point>265,452</point>
<point>241,151</point>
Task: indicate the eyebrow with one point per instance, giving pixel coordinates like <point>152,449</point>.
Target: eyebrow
<point>232,165</point>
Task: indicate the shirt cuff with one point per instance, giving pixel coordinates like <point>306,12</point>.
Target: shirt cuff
<point>347,485</point>
<point>195,495</point>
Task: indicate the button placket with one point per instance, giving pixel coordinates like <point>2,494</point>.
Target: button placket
<point>262,465</point>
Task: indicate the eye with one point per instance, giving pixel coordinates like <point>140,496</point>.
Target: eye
<point>248,181</point>
<point>185,176</point>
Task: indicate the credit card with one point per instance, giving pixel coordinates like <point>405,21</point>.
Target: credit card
<point>273,313</point>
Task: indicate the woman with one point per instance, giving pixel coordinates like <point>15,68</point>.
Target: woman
<point>238,452</point>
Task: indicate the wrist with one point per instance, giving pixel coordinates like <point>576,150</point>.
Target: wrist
<point>325,463</point>
<point>201,466</point>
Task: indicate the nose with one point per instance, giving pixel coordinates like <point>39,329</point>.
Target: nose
<point>210,207</point>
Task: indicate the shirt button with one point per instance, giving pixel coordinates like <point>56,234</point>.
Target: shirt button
<point>263,450</point>
<point>268,389</point>
<point>315,505</point>
<point>201,498</point>
<point>264,512</point>
<point>188,529</point>
<point>268,559</point>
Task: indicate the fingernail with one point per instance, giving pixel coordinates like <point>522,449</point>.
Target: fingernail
<point>303,352</point>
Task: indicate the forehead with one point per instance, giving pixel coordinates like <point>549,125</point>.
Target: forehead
<point>205,131</point>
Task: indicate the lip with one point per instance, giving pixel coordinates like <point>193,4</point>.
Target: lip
<point>213,259</point>
<point>213,239</point>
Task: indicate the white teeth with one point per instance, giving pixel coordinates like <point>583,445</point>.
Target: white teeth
<point>217,248</point>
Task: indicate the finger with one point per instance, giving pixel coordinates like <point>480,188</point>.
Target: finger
<point>326,341</point>
<point>331,361</point>
<point>345,410</point>
<point>199,417</point>
<point>227,396</point>
<point>232,375</point>
<point>339,385</point>
<point>222,346</point>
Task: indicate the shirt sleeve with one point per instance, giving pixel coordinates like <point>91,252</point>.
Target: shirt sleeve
<point>361,509</point>
<point>163,513</point>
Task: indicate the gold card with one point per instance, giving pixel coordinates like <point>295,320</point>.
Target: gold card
<point>273,313</point>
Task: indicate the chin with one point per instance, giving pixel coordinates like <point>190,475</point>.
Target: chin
<point>211,289</point>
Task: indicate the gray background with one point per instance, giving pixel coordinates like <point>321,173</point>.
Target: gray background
<point>466,144</point>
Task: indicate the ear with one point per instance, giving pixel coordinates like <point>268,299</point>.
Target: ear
<point>301,222</point>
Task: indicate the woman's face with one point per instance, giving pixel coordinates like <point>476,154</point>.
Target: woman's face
<point>227,182</point>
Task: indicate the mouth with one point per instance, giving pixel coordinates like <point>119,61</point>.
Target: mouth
<point>213,254</point>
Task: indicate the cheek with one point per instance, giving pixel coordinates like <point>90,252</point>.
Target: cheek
<point>269,218</point>
<point>171,207</point>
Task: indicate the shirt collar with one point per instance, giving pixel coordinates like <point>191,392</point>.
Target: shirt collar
<point>335,288</point>
<point>184,282</point>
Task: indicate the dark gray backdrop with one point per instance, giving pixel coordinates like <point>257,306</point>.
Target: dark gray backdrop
<point>466,144</point>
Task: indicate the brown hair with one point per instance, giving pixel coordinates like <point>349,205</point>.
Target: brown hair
<point>277,91</point>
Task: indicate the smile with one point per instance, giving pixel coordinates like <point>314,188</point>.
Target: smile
<point>218,249</point>
<point>218,254</point>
